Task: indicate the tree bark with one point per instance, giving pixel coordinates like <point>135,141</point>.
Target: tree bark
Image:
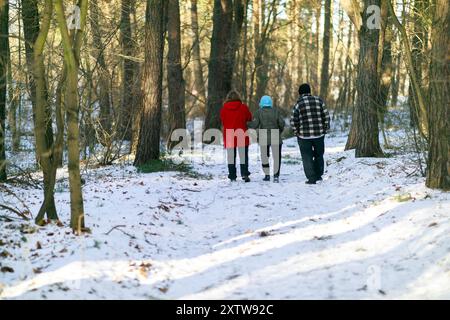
<point>422,113</point>
<point>315,44</point>
<point>384,66</point>
<point>199,82</point>
<point>4,33</point>
<point>176,84</point>
<point>148,146</point>
<point>14,94</point>
<point>324,76</point>
<point>417,51</point>
<point>48,151</point>
<point>438,173</point>
<point>366,110</point>
<point>103,76</point>
<point>226,31</point>
<point>31,29</point>
<point>72,46</point>
<point>127,108</point>
<point>396,79</point>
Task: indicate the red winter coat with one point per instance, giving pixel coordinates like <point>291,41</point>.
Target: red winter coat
<point>234,116</point>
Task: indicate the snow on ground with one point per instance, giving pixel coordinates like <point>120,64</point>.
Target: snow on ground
<point>371,229</point>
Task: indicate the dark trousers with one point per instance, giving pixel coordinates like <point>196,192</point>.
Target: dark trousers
<point>312,151</point>
<point>231,159</point>
<point>276,154</point>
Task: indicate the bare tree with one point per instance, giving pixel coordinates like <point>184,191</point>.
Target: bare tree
<point>71,42</point>
<point>48,149</point>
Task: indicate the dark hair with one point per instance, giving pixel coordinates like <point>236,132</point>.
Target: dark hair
<point>233,95</point>
<point>304,88</point>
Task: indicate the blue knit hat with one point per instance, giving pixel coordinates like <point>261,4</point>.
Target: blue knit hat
<point>266,102</point>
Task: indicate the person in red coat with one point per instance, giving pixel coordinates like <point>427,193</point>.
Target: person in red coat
<point>234,116</point>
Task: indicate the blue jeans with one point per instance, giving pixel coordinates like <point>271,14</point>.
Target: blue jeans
<point>312,151</point>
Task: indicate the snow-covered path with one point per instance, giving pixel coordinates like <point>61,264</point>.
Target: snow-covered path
<point>369,230</point>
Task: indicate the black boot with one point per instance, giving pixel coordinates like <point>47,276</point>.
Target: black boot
<point>266,178</point>
<point>246,179</point>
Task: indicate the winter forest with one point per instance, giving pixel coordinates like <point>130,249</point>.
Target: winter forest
<point>116,180</point>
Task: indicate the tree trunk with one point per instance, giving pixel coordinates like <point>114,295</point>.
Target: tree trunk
<point>367,84</point>
<point>103,76</point>
<point>199,82</point>
<point>48,151</point>
<point>244,90</point>
<point>72,45</point>
<point>14,93</point>
<point>127,108</point>
<point>384,66</point>
<point>224,41</point>
<point>315,44</point>
<point>4,33</point>
<point>150,127</point>
<point>422,113</point>
<point>175,81</point>
<point>324,76</point>
<point>31,29</point>
<point>417,53</point>
<point>396,80</point>
<point>438,173</point>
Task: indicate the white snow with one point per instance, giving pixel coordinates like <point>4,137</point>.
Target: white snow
<point>371,229</point>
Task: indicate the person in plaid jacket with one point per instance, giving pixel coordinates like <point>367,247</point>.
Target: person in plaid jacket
<point>310,121</point>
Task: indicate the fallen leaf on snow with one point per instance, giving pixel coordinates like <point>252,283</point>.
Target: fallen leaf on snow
<point>7,269</point>
<point>264,234</point>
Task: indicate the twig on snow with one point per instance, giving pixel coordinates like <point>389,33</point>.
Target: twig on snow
<point>117,228</point>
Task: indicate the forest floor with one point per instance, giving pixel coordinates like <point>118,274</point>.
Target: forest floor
<point>371,229</point>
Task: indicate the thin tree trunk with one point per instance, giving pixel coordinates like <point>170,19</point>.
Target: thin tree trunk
<point>30,17</point>
<point>199,82</point>
<point>324,76</point>
<point>315,37</point>
<point>14,100</point>
<point>72,46</point>
<point>127,108</point>
<point>148,147</point>
<point>176,84</point>
<point>417,89</point>
<point>244,90</point>
<point>396,80</point>
<point>438,173</point>
<point>45,146</point>
<point>418,43</point>
<point>103,80</point>
<point>384,66</point>
<point>4,33</point>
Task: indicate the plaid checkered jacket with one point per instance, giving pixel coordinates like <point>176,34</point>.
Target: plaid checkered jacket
<point>310,117</point>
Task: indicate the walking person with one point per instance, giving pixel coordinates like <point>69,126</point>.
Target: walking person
<point>311,121</point>
<point>270,124</point>
<point>234,116</point>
